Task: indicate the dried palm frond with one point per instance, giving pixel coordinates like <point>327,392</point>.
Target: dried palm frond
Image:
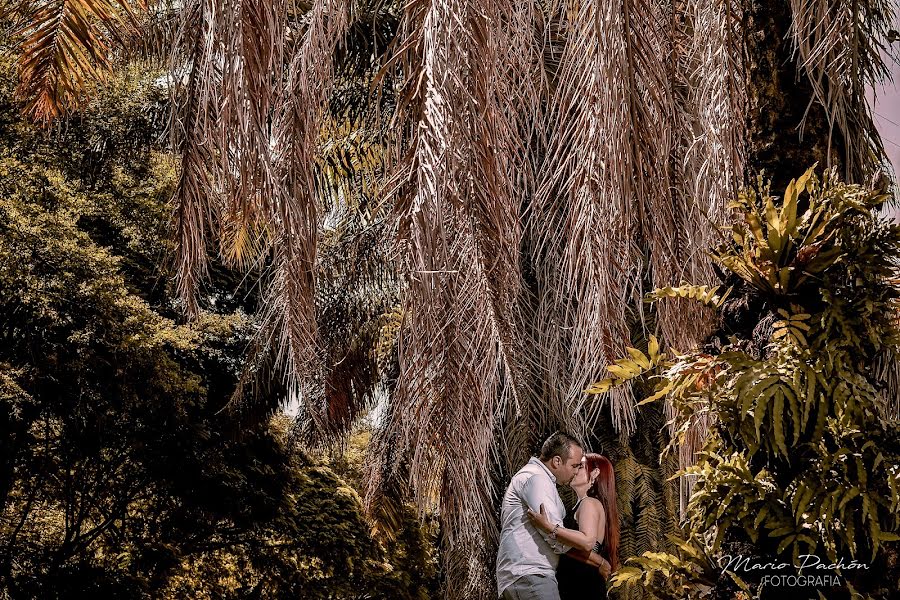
<point>244,237</point>
<point>357,283</point>
<point>605,191</point>
<point>66,47</point>
<point>563,213</point>
<point>842,46</point>
<point>357,299</point>
<point>708,80</point>
<point>158,28</point>
<point>259,79</point>
<point>387,474</point>
<point>290,309</point>
<point>710,74</point>
<point>711,109</point>
<point>459,207</point>
<point>887,370</point>
<point>194,85</point>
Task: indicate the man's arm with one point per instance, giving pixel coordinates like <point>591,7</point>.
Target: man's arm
<point>540,490</point>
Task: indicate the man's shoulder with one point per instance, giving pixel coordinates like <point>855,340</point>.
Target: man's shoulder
<point>528,475</point>
<point>527,472</point>
<point>534,478</point>
<point>523,474</point>
<point>532,467</point>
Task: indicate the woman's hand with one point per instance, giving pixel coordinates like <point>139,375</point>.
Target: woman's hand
<point>604,568</point>
<point>540,520</point>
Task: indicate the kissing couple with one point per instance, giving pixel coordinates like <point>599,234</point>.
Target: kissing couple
<point>544,554</point>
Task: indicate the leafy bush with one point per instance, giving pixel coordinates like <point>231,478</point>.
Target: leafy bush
<point>120,474</point>
<point>802,459</point>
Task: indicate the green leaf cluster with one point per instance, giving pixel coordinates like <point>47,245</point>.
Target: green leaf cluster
<point>780,251</point>
<point>121,476</point>
<point>802,458</point>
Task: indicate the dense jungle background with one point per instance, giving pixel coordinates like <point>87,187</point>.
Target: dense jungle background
<point>122,476</point>
<point>288,290</point>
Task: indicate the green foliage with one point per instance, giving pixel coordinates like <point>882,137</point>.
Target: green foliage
<point>120,474</point>
<point>766,250</point>
<point>701,293</point>
<point>679,574</point>
<point>638,491</point>
<point>801,459</point>
<point>627,369</point>
<point>409,542</point>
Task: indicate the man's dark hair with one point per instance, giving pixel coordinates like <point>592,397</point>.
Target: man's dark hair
<point>559,444</point>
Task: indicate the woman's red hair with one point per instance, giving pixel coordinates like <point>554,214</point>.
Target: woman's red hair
<point>604,489</point>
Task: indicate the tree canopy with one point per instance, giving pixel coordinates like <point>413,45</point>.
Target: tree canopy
<point>121,475</point>
<point>457,207</point>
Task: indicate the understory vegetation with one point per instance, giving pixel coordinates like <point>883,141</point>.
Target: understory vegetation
<point>123,471</point>
<point>801,459</point>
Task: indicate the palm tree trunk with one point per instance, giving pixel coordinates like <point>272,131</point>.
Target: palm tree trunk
<point>786,130</point>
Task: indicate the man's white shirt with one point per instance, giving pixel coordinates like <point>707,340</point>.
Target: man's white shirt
<point>525,549</point>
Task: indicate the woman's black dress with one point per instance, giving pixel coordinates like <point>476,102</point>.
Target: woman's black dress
<point>578,580</point>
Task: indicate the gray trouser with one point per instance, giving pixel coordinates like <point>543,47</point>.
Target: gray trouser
<point>532,587</point>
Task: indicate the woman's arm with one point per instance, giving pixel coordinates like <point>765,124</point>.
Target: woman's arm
<point>592,525</point>
<point>593,510</point>
<point>583,538</point>
<point>593,559</point>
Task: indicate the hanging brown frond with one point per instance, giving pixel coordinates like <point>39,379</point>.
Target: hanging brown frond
<point>887,370</point>
<point>710,75</point>
<point>524,83</point>
<point>158,28</point>
<point>289,311</point>
<point>707,157</point>
<point>607,170</point>
<point>232,58</point>
<point>460,362</point>
<point>708,172</point>
<point>358,317</point>
<point>259,77</point>
<point>66,47</point>
<point>841,45</point>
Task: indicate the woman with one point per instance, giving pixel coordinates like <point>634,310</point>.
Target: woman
<point>593,527</point>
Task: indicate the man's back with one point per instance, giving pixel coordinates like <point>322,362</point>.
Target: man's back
<point>523,549</point>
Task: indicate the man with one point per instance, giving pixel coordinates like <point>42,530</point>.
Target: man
<point>527,557</point>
